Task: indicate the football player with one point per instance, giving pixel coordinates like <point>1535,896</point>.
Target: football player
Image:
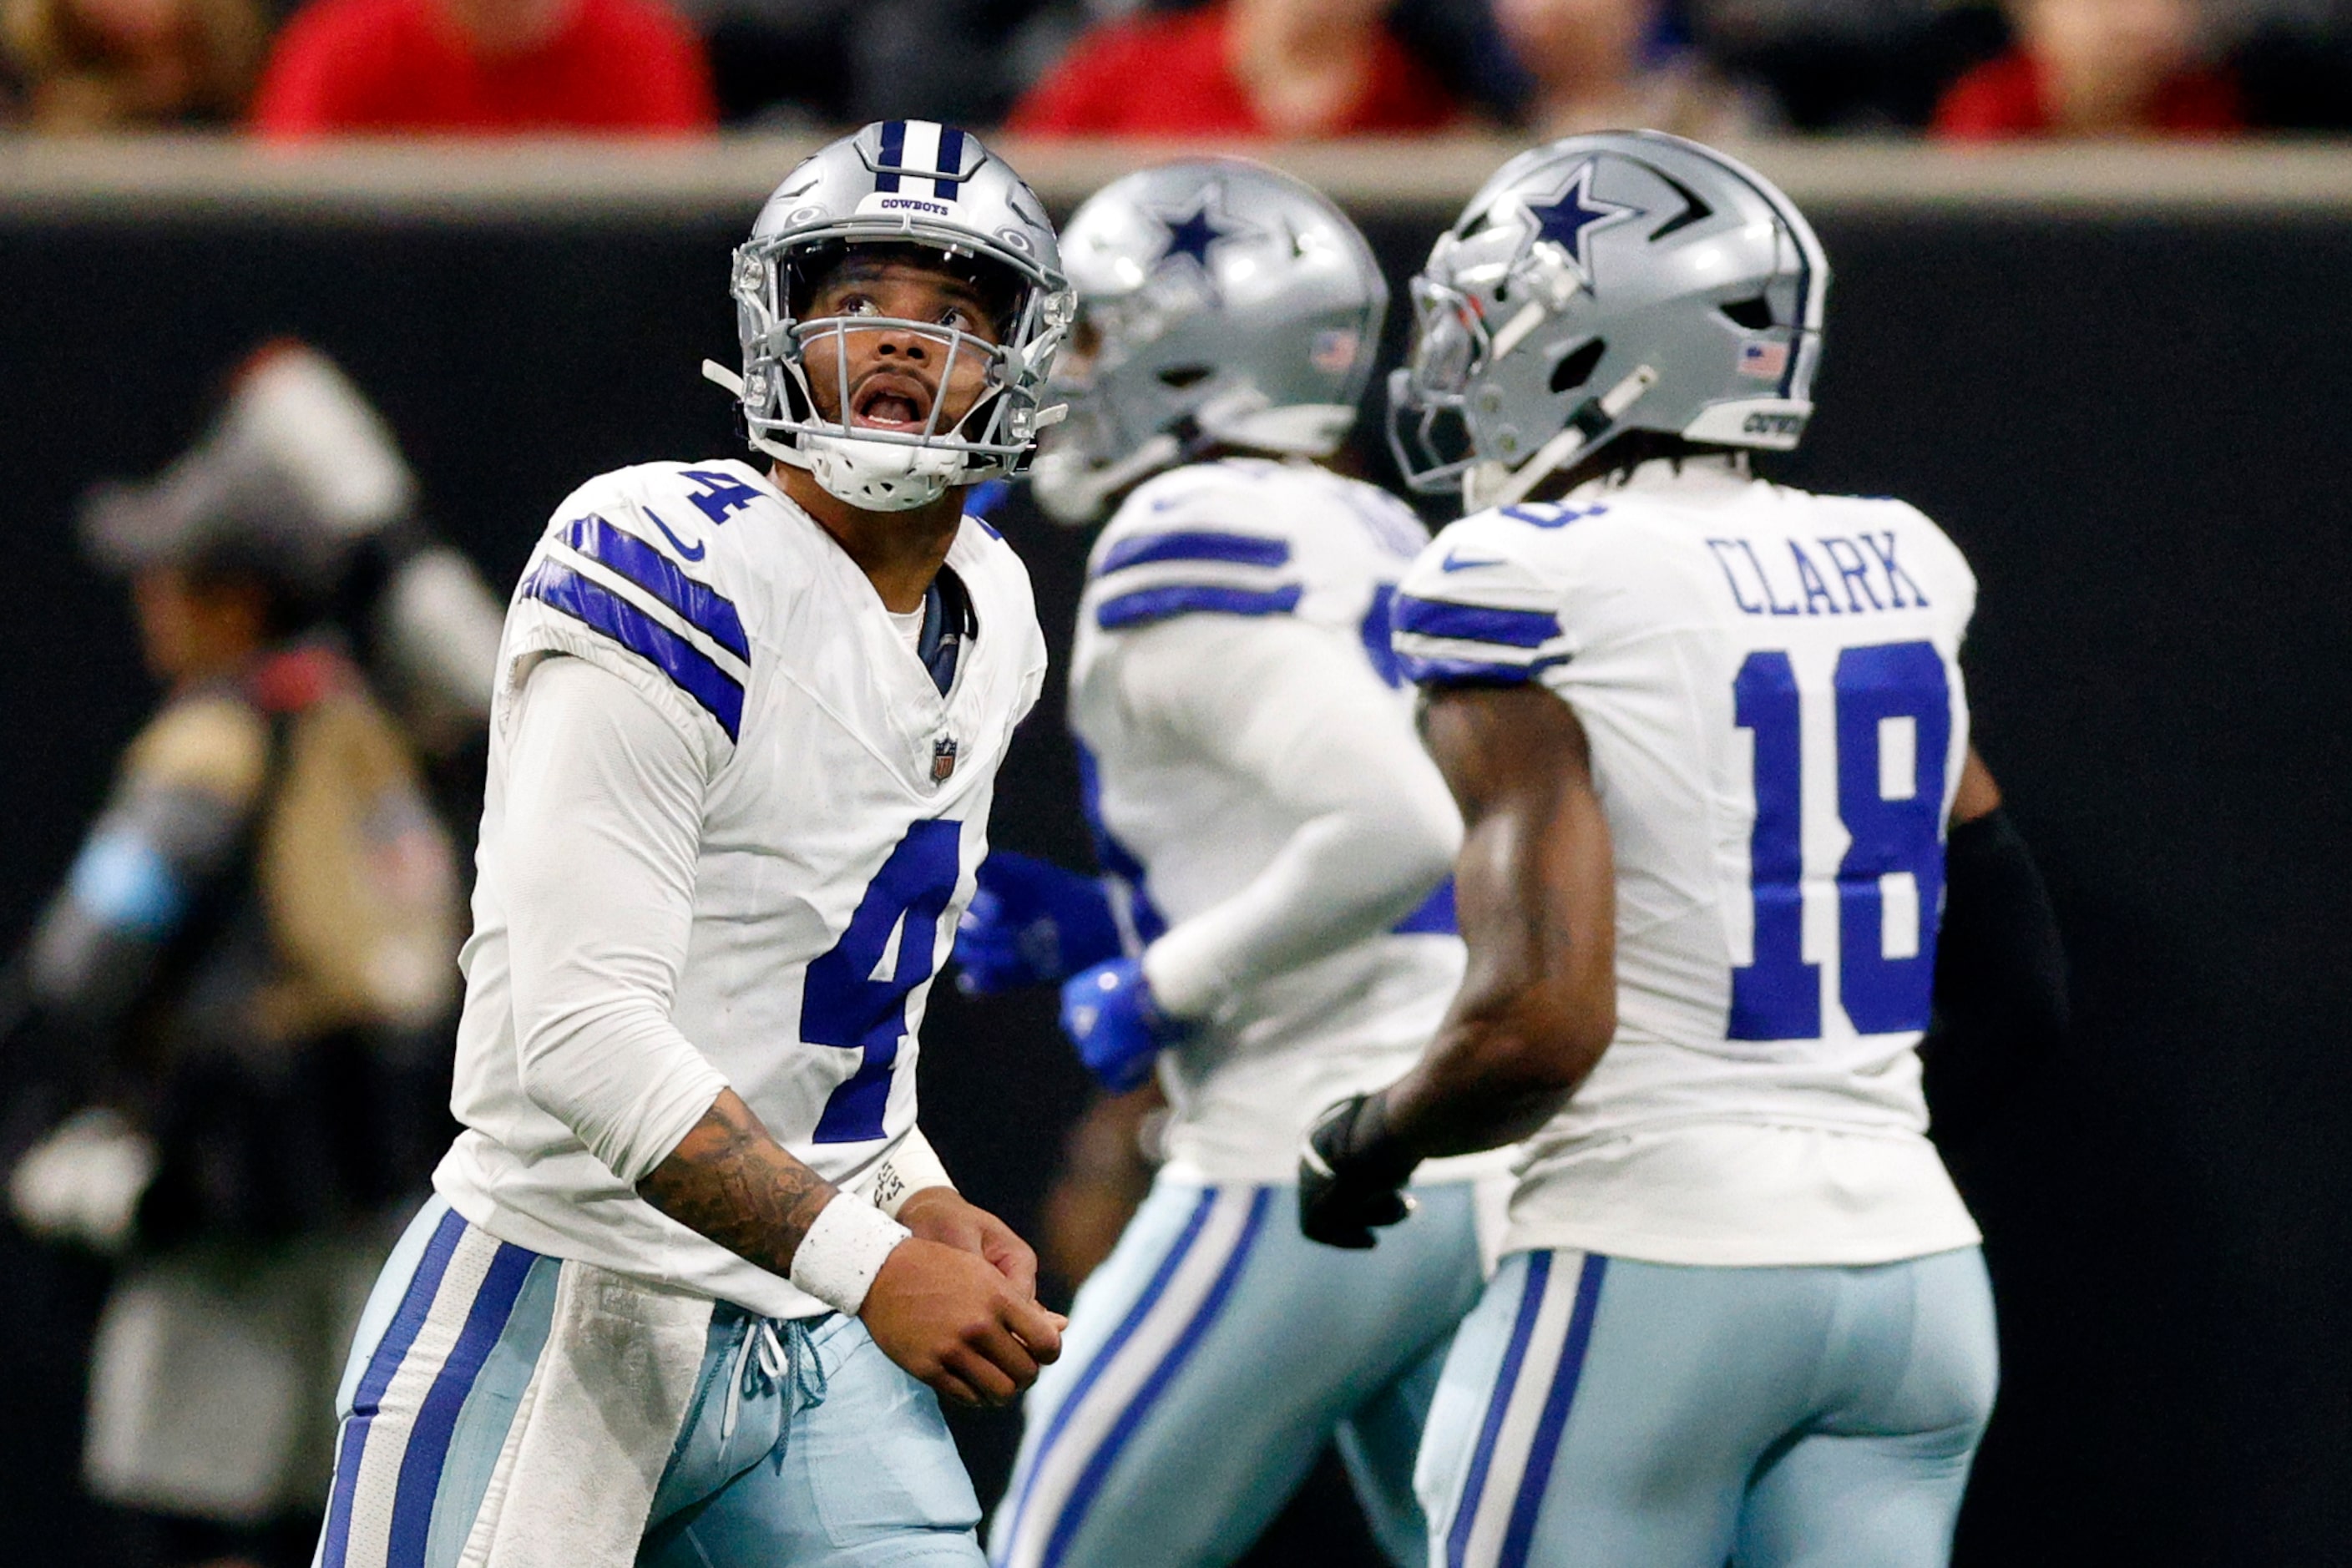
<point>692,1264</point>
<point>1277,841</point>
<point>1711,746</point>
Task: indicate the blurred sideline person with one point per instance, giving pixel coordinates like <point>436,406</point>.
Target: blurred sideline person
<point>484,67</point>
<point>1276,69</point>
<point>2096,67</point>
<point>1598,63</point>
<point>76,66</point>
<point>1709,736</point>
<point>1278,844</point>
<point>296,437</point>
<point>237,1019</point>
<point>692,1263</point>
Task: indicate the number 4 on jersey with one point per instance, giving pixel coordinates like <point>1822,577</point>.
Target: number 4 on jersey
<point>855,994</point>
<point>1894,820</point>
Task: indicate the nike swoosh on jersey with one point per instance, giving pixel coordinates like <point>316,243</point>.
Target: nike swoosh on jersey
<point>1452,562</point>
<point>695,552</point>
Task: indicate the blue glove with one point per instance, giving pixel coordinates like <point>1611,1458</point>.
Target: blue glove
<point>1031,923</point>
<point>1108,1014</point>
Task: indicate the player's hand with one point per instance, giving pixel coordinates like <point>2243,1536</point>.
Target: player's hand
<point>1351,1175</point>
<point>1031,923</point>
<point>949,1317</point>
<point>1109,1016</point>
<point>940,1214</point>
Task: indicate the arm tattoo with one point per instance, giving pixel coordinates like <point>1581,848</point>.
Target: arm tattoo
<point>732,1182</point>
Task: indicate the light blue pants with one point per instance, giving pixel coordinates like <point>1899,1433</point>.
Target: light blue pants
<point>802,1446</point>
<point>1600,1411</point>
<point>1208,1362</point>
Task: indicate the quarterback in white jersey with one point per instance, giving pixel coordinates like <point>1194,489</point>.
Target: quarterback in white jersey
<point>1707,734</point>
<point>745,735</point>
<point>1277,843</point>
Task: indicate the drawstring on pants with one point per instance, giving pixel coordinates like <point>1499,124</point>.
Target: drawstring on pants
<point>775,1356</point>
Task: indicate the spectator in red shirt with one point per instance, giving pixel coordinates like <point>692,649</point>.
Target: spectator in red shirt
<point>2095,67</point>
<point>486,66</point>
<point>1240,68</point>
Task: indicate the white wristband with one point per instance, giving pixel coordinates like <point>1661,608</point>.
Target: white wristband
<point>837,1259</point>
<point>906,1170</point>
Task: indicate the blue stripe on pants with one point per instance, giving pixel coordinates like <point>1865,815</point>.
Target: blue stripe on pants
<point>1466,1512</point>
<point>1090,1479</point>
<point>1520,1533</point>
<point>1118,1342</point>
<point>437,1419</point>
<point>389,1353</point>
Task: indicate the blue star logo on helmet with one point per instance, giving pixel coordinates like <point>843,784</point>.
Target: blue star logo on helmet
<point>1195,231</point>
<point>1571,218</point>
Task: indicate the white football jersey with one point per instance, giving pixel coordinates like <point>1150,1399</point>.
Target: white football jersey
<point>846,815</point>
<point>1247,539</point>
<point>1771,683</point>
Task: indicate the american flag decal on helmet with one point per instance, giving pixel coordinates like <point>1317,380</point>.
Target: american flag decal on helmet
<point>922,158</point>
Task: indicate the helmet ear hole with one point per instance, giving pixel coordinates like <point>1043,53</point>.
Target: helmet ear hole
<point>1575,369</point>
<point>1754,314</point>
<point>1179,377</point>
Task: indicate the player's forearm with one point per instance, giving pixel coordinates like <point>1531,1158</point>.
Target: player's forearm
<point>732,1182</point>
<point>1535,894</point>
<point>1498,1072</point>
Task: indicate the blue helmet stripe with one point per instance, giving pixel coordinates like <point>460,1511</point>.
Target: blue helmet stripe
<point>894,151</point>
<point>951,162</point>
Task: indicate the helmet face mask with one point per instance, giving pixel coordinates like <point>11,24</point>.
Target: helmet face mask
<point>1224,305</point>
<point>1603,284</point>
<point>933,195</point>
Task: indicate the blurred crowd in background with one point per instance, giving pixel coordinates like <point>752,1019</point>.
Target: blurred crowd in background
<point>1270,68</point>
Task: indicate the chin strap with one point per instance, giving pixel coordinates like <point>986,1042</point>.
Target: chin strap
<point>1587,425</point>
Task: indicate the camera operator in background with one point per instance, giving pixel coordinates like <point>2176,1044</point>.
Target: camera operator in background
<point>228,1067</point>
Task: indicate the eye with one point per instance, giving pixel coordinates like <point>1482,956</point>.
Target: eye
<point>856,305</point>
<point>958,317</point>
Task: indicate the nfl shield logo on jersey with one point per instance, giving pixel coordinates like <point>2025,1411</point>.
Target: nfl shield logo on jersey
<point>943,758</point>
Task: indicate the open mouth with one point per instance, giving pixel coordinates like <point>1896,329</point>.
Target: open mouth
<point>887,400</point>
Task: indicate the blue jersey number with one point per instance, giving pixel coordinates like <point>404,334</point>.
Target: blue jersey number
<point>848,1001</point>
<point>1895,825</point>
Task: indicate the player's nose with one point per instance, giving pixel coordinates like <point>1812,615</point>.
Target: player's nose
<point>902,343</point>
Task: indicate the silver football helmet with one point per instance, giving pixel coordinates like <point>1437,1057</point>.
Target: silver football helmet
<point>898,181</point>
<point>1625,281</point>
<point>1224,304</point>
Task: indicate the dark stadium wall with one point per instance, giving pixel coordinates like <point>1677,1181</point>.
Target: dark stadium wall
<point>2131,424</point>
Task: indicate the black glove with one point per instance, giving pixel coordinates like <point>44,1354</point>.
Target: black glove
<point>1352,1175</point>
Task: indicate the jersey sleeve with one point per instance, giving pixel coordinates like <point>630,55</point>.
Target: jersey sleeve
<point>603,811</point>
<point>1187,543</point>
<point>1480,605</point>
<point>1309,725</point>
<point>610,583</point>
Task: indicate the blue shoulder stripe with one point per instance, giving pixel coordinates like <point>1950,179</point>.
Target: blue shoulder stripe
<point>1198,544</point>
<point>1192,598</point>
<point>1474,623</point>
<point>602,610</point>
<point>697,603</point>
<point>1470,672</point>
<point>1434,917</point>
